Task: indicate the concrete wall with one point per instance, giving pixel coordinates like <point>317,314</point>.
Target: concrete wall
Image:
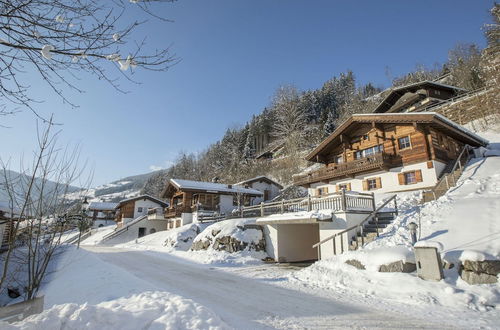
<point>389,179</point>
<point>291,242</point>
<point>271,237</point>
<point>188,218</point>
<point>132,231</point>
<point>341,221</point>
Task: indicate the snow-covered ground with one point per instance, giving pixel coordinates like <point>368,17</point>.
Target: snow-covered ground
<point>136,284</point>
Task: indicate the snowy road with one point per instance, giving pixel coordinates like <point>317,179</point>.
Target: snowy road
<point>246,303</point>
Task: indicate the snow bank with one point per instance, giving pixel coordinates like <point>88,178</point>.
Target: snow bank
<point>402,289</point>
<point>97,235</point>
<point>373,259</point>
<point>177,239</point>
<point>472,256</point>
<point>148,310</point>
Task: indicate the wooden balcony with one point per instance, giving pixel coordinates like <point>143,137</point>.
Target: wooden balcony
<point>373,162</point>
<point>176,211</point>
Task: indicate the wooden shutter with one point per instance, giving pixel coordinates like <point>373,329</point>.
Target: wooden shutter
<point>337,188</point>
<point>365,184</point>
<point>418,175</point>
<point>401,178</point>
<point>349,186</point>
<point>430,164</point>
<point>327,190</point>
<point>379,182</point>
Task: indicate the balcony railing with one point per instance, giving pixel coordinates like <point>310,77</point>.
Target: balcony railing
<point>341,201</point>
<point>375,161</point>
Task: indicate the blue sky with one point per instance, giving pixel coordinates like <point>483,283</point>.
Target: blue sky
<point>234,54</point>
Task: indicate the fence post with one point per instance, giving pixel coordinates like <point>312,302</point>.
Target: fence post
<point>309,206</point>
<point>344,200</point>
<point>282,206</point>
<point>396,205</point>
<point>374,207</point>
<point>261,209</point>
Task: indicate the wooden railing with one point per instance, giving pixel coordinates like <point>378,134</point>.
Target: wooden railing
<point>450,178</point>
<point>343,201</point>
<point>374,161</point>
<point>357,228</point>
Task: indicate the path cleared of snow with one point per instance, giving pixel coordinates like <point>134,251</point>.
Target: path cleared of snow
<point>246,303</point>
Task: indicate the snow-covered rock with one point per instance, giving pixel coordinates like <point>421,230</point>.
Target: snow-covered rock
<point>231,236</point>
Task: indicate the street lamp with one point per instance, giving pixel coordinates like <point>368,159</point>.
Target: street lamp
<point>412,226</point>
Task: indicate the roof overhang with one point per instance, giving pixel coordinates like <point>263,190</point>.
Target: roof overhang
<point>396,93</point>
<point>434,119</point>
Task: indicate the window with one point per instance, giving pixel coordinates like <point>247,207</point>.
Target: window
<point>369,151</point>
<point>404,142</point>
<point>410,178</point>
<point>139,209</point>
<point>339,159</point>
<point>372,184</point>
<point>322,191</point>
<point>344,186</point>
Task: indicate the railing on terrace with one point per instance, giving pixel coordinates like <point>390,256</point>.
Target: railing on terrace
<point>357,229</point>
<point>336,170</point>
<point>450,178</point>
<point>342,201</point>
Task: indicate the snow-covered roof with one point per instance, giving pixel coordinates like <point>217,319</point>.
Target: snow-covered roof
<point>102,206</point>
<point>259,178</point>
<point>154,199</point>
<point>213,187</point>
<point>396,93</point>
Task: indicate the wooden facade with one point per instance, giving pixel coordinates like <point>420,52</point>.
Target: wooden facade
<point>201,198</point>
<point>370,143</point>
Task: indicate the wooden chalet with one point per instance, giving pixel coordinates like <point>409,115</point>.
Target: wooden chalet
<point>386,152</point>
<point>188,197</point>
<point>133,208</point>
<point>417,96</point>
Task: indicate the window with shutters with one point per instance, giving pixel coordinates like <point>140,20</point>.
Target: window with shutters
<point>404,142</point>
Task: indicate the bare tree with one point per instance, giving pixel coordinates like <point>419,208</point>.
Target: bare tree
<point>61,39</point>
<point>38,216</point>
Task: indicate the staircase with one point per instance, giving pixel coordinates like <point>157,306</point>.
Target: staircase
<point>449,176</point>
<point>366,231</point>
<point>372,228</point>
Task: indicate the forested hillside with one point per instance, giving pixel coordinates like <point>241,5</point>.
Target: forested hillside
<point>295,121</point>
